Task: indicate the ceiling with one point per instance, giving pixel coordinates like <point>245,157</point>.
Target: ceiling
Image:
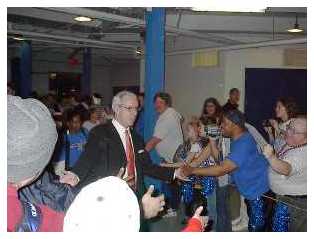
<point>117,33</point>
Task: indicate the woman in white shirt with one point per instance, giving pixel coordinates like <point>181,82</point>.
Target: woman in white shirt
<point>286,108</point>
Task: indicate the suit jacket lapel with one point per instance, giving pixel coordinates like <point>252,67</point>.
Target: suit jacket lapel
<point>114,135</point>
<point>135,143</point>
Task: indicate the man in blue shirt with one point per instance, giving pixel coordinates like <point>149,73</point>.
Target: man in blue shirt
<point>247,167</point>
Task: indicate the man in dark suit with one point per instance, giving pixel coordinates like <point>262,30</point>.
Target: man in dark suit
<point>116,145</point>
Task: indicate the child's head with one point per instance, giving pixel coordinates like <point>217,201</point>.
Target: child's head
<point>93,115</point>
<point>74,121</point>
<point>192,130</point>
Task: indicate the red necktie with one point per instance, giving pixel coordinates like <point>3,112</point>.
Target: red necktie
<point>130,156</point>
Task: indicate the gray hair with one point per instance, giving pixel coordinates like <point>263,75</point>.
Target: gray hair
<point>299,124</point>
<point>117,99</point>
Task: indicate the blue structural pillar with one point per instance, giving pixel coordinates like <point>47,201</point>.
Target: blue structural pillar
<point>25,79</point>
<point>154,65</point>
<point>87,72</point>
<point>154,76</point>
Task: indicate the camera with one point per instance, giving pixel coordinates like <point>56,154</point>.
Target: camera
<point>266,123</point>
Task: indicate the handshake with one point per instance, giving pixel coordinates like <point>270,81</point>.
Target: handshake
<point>151,205</point>
<point>182,171</point>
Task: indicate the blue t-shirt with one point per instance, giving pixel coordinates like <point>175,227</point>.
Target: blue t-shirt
<point>251,175</point>
<point>77,142</point>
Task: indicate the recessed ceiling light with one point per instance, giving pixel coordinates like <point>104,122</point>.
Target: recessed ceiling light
<point>83,19</point>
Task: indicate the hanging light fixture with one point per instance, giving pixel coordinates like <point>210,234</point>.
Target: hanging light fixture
<point>296,27</point>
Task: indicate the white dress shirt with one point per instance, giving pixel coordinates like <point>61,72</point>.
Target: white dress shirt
<point>121,131</point>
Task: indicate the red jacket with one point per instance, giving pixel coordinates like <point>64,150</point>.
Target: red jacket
<point>194,225</point>
<point>52,221</point>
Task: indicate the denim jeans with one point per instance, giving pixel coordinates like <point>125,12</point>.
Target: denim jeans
<point>297,217</point>
<point>212,210</point>
<point>223,211</point>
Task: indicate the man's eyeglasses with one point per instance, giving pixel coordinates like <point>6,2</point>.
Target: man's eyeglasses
<point>129,108</point>
<point>290,131</point>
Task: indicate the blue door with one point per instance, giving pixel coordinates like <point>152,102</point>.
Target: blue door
<point>263,86</point>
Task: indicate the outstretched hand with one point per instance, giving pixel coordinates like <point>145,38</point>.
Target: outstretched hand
<point>202,219</point>
<point>152,205</point>
<point>171,165</point>
<point>268,151</point>
<point>69,178</point>
<point>186,170</point>
<point>181,174</point>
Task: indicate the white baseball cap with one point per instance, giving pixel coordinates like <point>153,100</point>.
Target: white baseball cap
<point>108,204</point>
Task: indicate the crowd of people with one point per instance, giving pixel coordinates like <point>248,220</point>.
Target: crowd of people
<point>65,157</point>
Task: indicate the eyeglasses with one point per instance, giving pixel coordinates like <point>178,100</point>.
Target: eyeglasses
<point>290,131</point>
<point>129,108</point>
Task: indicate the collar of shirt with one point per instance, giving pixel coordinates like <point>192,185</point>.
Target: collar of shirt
<point>121,131</point>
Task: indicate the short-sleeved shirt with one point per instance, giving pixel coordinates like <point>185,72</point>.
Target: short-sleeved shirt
<point>77,143</point>
<point>88,125</point>
<point>168,129</point>
<point>251,174</point>
<point>295,183</point>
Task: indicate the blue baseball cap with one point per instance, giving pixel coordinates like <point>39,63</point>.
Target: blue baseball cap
<point>236,117</point>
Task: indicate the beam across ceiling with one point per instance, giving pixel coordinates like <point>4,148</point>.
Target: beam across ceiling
<point>139,22</point>
<point>242,46</point>
<point>76,40</point>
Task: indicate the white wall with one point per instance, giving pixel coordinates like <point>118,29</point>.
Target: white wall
<point>189,86</point>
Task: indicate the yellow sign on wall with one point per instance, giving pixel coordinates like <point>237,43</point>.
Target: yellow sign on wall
<point>205,58</point>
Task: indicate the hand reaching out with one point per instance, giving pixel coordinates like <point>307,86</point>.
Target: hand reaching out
<point>268,151</point>
<point>202,219</point>
<point>186,170</point>
<point>181,174</point>
<point>152,205</point>
<point>69,178</point>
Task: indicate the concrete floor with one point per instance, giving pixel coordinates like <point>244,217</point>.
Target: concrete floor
<point>174,224</point>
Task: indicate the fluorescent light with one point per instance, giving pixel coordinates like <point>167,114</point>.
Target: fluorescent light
<point>83,19</point>
<point>19,38</point>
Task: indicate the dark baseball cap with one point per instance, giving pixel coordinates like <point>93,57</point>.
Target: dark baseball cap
<point>236,117</point>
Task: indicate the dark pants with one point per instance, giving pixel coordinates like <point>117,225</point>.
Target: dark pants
<point>223,212</point>
<point>172,194</point>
